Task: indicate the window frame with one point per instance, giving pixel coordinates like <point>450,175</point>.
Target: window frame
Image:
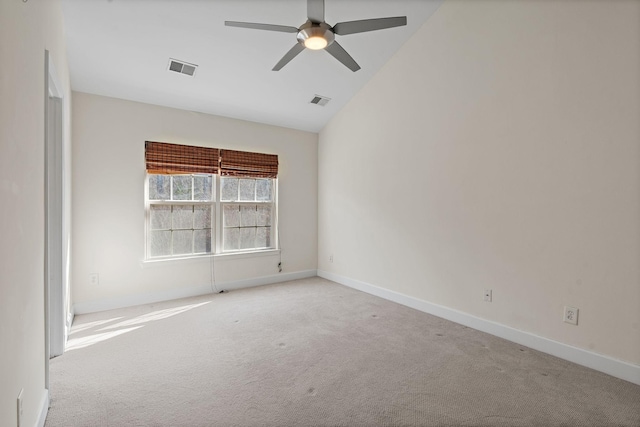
<point>221,203</point>
<point>217,218</point>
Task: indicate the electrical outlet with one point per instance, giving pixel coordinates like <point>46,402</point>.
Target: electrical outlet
<point>570,315</point>
<point>331,258</point>
<point>94,279</point>
<point>488,295</point>
<point>19,408</point>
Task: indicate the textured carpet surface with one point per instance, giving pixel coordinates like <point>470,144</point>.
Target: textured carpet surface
<point>314,353</point>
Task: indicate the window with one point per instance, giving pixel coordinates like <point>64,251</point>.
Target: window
<point>181,218</point>
<point>247,207</point>
<point>202,200</point>
<point>180,215</point>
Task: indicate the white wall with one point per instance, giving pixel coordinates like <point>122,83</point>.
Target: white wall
<point>499,148</point>
<point>108,204</point>
<point>26,30</point>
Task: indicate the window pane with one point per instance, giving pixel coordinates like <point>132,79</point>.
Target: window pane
<point>160,217</point>
<point>182,242</point>
<point>263,237</point>
<point>159,187</point>
<point>248,216</point>
<point>263,215</point>
<point>231,215</point>
<point>247,189</point>
<point>229,189</point>
<point>231,237</point>
<point>182,187</point>
<point>202,216</point>
<point>182,216</point>
<point>159,243</point>
<point>263,189</point>
<point>202,186</point>
<point>202,241</point>
<point>247,238</point>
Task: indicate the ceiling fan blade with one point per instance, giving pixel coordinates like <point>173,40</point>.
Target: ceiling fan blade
<point>315,11</point>
<point>293,52</point>
<point>255,26</point>
<point>341,55</point>
<point>351,27</point>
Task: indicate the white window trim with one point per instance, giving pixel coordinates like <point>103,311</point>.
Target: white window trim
<point>226,256</point>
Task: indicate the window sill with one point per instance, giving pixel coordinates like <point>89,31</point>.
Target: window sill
<point>229,256</point>
<point>250,254</point>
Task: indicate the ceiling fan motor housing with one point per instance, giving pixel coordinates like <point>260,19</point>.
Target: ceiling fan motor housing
<point>311,30</point>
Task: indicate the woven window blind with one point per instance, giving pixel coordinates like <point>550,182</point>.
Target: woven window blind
<point>247,164</point>
<point>164,158</point>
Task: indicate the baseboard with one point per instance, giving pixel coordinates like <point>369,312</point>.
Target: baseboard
<point>606,364</point>
<point>177,293</point>
<point>267,280</point>
<point>44,409</point>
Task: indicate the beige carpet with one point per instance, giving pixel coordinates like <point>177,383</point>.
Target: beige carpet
<point>314,353</point>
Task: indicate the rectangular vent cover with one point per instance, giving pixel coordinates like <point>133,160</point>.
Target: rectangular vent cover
<point>182,67</point>
<point>320,100</point>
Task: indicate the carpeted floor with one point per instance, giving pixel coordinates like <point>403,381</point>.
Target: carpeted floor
<point>315,353</point>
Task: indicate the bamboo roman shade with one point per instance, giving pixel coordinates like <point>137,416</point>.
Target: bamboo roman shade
<point>246,164</point>
<point>164,158</point>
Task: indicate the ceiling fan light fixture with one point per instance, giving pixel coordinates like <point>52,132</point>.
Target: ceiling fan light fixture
<point>315,36</point>
<point>315,43</point>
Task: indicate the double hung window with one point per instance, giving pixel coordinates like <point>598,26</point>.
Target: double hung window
<point>247,212</point>
<point>180,215</point>
<point>190,214</point>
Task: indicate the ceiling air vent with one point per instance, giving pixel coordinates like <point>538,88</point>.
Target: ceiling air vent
<point>182,67</point>
<point>320,100</point>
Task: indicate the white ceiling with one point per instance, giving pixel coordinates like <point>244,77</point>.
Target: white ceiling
<point>121,49</point>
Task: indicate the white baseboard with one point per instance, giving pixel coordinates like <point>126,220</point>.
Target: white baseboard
<point>267,280</point>
<point>44,409</point>
<point>177,293</point>
<point>606,364</point>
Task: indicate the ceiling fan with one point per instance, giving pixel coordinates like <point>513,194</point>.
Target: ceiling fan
<point>316,34</point>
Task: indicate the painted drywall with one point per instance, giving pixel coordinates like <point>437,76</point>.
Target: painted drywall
<point>26,31</point>
<point>498,149</point>
<point>108,203</point>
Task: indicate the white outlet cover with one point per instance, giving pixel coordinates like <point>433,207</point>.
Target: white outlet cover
<point>570,315</point>
<point>488,295</point>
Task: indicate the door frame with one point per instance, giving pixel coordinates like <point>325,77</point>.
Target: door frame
<point>55,291</point>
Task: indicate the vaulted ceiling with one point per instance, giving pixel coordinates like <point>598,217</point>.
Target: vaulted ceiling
<point>122,49</point>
